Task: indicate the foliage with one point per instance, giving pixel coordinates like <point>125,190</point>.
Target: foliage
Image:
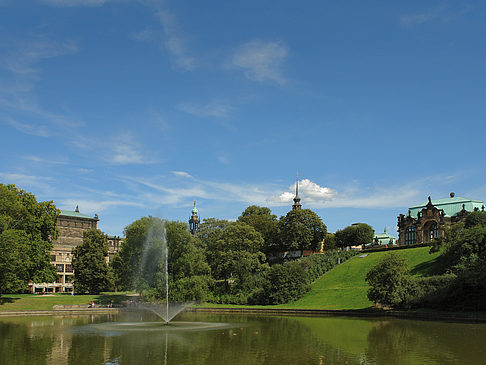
<point>301,229</point>
<point>126,264</point>
<point>91,272</point>
<point>390,281</point>
<point>141,261</point>
<point>354,235</point>
<point>263,221</point>
<point>236,255</point>
<point>475,218</point>
<point>27,228</point>
<point>329,242</point>
<point>285,283</point>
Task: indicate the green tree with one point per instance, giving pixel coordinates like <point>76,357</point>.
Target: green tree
<point>236,255</point>
<point>330,242</point>
<point>285,283</point>
<point>263,221</point>
<point>91,272</point>
<point>27,229</point>
<point>140,263</point>
<point>301,229</point>
<point>476,218</point>
<point>126,264</point>
<point>390,281</point>
<point>354,235</point>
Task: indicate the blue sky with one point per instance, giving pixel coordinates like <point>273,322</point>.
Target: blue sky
<point>133,108</point>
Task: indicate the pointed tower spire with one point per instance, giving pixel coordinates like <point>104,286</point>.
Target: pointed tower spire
<point>297,204</point>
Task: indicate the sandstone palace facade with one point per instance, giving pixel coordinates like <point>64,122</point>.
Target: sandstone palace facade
<point>427,221</point>
<point>71,225</point>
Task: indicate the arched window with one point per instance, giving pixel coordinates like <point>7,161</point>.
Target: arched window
<point>410,235</point>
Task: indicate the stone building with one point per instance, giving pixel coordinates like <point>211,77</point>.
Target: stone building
<point>427,221</point>
<point>71,225</point>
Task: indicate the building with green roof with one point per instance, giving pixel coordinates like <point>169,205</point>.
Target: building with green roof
<point>425,222</point>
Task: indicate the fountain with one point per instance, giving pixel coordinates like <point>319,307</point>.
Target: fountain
<point>156,247</point>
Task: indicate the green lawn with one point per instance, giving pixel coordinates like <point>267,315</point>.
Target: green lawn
<point>26,302</point>
<point>345,287</point>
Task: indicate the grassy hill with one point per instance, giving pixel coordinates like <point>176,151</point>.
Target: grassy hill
<point>344,287</point>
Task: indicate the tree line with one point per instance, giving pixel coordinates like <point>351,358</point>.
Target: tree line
<point>225,262</point>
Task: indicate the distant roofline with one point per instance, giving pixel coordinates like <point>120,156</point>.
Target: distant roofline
<point>445,201</point>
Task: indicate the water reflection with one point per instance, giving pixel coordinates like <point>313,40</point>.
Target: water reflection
<point>238,340</point>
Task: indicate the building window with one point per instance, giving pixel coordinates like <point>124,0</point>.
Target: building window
<point>69,268</point>
<point>410,235</point>
<point>60,267</point>
<point>68,279</point>
<point>434,231</point>
<point>53,257</point>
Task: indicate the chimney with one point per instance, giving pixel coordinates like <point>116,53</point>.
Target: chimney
<point>452,195</point>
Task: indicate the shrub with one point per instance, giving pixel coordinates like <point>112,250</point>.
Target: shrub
<point>390,282</point>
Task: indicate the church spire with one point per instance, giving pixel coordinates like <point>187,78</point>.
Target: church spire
<point>297,204</point>
<point>194,220</point>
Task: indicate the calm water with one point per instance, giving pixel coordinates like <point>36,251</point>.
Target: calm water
<point>139,338</point>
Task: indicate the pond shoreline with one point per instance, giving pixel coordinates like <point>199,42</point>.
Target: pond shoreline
<point>468,317</point>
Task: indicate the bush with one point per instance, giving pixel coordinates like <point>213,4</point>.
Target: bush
<point>390,282</point>
<point>431,291</point>
<point>285,283</point>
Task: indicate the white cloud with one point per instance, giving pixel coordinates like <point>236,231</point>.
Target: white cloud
<point>224,159</point>
<point>182,174</point>
<point>215,108</point>
<point>260,61</point>
<point>313,193</point>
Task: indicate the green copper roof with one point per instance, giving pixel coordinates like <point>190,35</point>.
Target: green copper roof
<point>451,206</point>
<point>70,213</point>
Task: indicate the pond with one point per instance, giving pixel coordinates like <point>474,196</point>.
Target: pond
<point>196,338</point>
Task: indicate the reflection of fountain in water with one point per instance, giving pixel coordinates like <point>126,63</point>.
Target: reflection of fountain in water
<point>156,247</point>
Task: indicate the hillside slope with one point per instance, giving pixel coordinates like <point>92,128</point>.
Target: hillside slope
<point>344,287</point>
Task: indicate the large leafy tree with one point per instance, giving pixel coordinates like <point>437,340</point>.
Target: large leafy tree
<point>91,272</point>
<point>354,235</point>
<point>27,229</point>
<point>263,221</point>
<point>140,264</point>
<point>301,229</point>
<point>236,254</point>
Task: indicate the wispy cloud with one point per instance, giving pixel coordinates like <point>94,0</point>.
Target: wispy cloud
<point>182,174</point>
<point>72,3</point>
<point>120,149</point>
<point>27,128</point>
<point>90,206</point>
<point>442,13</point>
<point>260,61</point>
<point>174,42</point>
<point>20,60</point>
<point>42,160</point>
<point>315,196</point>
<point>27,181</point>
<point>215,108</point>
